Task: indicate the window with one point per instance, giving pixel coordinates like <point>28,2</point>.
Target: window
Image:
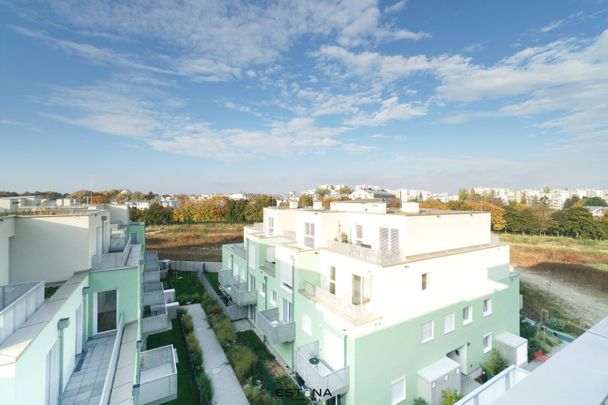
<point>306,324</point>
<point>487,307</point>
<point>487,342</point>
<point>467,315</point>
<point>285,311</point>
<point>106,308</point>
<point>448,323</point>
<point>361,290</point>
<point>263,290</point>
<point>398,393</point>
<point>427,331</point>
<point>286,274</point>
<point>309,234</point>
<point>273,298</point>
<point>252,256</point>
<point>358,232</point>
<point>425,281</point>
<point>389,239</point>
<point>252,283</point>
<point>332,280</point>
<point>270,226</point>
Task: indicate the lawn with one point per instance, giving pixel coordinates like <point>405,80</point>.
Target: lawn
<point>531,250</point>
<point>187,287</point>
<point>186,388</point>
<point>196,242</point>
<point>213,279</point>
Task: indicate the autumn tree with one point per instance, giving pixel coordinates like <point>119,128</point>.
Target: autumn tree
<point>254,211</point>
<point>304,201</point>
<point>156,214</point>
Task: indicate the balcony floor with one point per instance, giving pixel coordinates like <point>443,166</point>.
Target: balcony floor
<point>86,384</point>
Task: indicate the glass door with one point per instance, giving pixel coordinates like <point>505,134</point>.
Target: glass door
<point>106,305</point>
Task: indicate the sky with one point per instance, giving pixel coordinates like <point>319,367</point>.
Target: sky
<point>183,96</point>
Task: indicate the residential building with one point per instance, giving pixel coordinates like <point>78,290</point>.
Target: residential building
<point>597,211</point>
<point>414,195</point>
<point>370,306</point>
<point>84,344</point>
<point>371,194</point>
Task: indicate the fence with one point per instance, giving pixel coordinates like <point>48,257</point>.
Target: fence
<point>233,311</point>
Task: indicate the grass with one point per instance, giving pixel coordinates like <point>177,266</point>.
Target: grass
<point>213,279</point>
<point>186,388</point>
<point>197,242</point>
<point>531,250</point>
<point>187,286</point>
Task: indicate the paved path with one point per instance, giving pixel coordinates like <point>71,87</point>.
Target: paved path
<point>226,388</point>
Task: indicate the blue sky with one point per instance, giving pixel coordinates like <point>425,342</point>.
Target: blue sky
<point>199,96</point>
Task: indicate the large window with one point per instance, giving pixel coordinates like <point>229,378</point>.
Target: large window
<point>332,280</point>
<point>361,290</point>
<point>449,323</point>
<point>106,306</point>
<point>309,234</point>
<point>467,315</point>
<point>428,331</point>
<point>398,391</point>
<point>285,311</point>
<point>286,275</point>
<point>270,227</point>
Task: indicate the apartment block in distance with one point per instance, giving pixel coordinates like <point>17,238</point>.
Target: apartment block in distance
<point>85,343</point>
<point>367,305</point>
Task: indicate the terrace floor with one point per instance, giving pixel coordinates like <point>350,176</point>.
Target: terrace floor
<point>86,383</point>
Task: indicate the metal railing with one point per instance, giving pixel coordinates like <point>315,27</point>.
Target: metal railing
<point>381,258</point>
<point>241,295</point>
<point>318,374</point>
<point>355,314</point>
<point>269,267</point>
<point>112,260</point>
<point>155,317</point>
<point>275,330</point>
<point>238,249</point>
<point>226,278</point>
<point>493,389</point>
<point>158,375</point>
<point>107,384</point>
<point>17,303</point>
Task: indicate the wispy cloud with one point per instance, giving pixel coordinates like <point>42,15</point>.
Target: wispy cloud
<point>552,25</point>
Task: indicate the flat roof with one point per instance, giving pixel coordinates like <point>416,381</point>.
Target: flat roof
<point>438,369</point>
<point>577,374</point>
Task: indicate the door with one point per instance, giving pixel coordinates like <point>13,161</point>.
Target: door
<point>79,329</point>
<point>459,355</point>
<point>357,289</point>
<point>361,290</point>
<point>52,376</point>
<point>285,313</point>
<point>106,305</point>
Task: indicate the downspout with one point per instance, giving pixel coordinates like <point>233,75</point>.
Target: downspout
<point>293,297</point>
<point>61,325</point>
<point>85,296</point>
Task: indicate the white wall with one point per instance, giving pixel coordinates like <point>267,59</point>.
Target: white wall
<point>52,248</point>
<point>7,230</point>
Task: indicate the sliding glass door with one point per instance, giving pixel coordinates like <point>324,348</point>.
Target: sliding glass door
<point>106,305</point>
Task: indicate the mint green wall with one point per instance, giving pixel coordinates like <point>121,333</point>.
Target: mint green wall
<point>128,283</point>
<point>140,229</point>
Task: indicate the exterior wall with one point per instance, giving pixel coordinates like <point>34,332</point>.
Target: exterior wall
<point>128,283</point>
<point>62,245</point>
<point>119,213</point>
<point>30,369</point>
<point>7,231</point>
<point>140,230</point>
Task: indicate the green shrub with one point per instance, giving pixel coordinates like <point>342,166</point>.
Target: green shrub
<point>206,388</point>
<point>250,339</point>
<point>533,347</point>
<point>420,401</point>
<point>187,323</point>
<point>213,309</point>
<point>258,396</point>
<point>495,365</point>
<point>194,348</point>
<point>449,397</point>
<point>242,360</point>
<point>225,332</point>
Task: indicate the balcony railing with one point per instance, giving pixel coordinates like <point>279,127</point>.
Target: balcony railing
<point>111,372</point>
<point>241,295</point>
<point>158,375</point>
<point>355,314</point>
<point>155,319</point>
<point>226,278</point>
<point>381,258</point>
<point>291,235</point>
<point>269,267</point>
<point>238,249</point>
<point>112,260</point>
<point>17,303</point>
<point>318,374</point>
<point>275,330</point>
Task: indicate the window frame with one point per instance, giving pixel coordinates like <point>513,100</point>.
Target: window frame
<point>453,316</point>
<point>401,380</point>
<point>469,319</point>
<point>487,349</point>
<point>489,309</point>
<point>422,339</point>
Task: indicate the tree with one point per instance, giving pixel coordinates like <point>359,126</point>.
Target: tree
<point>571,201</point>
<point>463,194</point>
<point>100,199</point>
<point>432,203</point>
<point>595,202</point>
<point>345,190</point>
<point>521,219</point>
<point>157,215</point>
<point>544,215</point>
<point>578,222</point>
<point>254,211</point>
<point>449,397</point>
<point>134,214</point>
<point>321,193</point>
<point>236,211</point>
<point>304,201</point>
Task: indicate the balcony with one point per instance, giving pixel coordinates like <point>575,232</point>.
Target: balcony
<point>238,249</point>
<point>158,375</point>
<point>155,315</point>
<point>275,330</point>
<point>241,295</point>
<point>269,267</point>
<point>317,374</point>
<point>226,278</point>
<point>112,260</point>
<point>17,303</point>
<point>380,258</point>
<point>354,314</point>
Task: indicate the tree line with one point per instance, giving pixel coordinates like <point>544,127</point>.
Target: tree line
<point>214,209</point>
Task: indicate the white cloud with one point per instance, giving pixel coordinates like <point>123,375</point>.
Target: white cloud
<point>551,26</point>
<point>396,7</point>
<point>390,110</point>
